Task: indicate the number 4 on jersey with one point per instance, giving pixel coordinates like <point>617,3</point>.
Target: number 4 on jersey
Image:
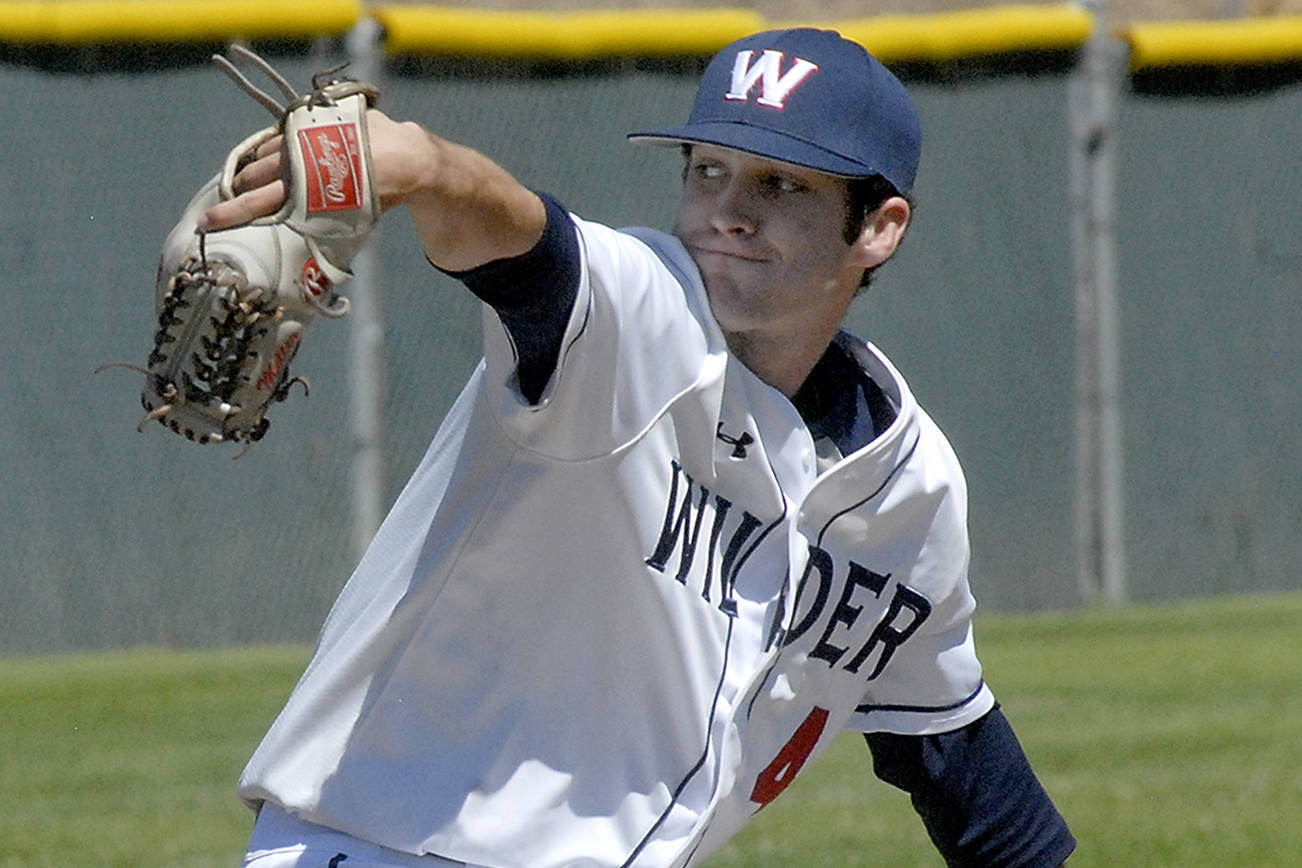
<point>782,771</point>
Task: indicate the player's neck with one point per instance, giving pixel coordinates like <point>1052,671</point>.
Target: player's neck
<point>780,362</point>
<point>782,351</point>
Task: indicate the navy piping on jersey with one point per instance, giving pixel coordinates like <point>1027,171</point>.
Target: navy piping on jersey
<point>869,708</point>
<point>779,634</point>
<point>885,482</point>
<point>718,689</point>
<point>700,762</point>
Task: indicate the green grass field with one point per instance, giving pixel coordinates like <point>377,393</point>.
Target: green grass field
<point>1169,736</point>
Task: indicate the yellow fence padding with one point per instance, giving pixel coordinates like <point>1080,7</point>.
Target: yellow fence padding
<point>953,35</point>
<point>652,33</point>
<point>80,22</point>
<point>416,28</point>
<point>579,35</point>
<point>1214,43</point>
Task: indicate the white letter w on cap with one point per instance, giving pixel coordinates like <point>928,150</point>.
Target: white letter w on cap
<point>774,88</point>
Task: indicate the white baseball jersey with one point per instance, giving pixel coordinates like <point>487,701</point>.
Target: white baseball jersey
<point>606,628</point>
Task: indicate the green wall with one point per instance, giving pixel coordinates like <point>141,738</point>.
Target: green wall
<point>114,538</point>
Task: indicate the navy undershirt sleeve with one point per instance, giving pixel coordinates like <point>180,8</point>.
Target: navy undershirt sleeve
<point>533,294</point>
<point>977,795</point>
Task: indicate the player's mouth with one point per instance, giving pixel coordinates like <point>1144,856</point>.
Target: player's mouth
<point>698,251</point>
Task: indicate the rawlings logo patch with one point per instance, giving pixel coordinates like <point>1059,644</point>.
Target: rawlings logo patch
<point>332,158</point>
<point>314,281</point>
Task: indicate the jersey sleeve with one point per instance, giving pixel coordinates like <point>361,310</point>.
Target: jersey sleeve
<point>533,295</point>
<point>635,338</point>
<point>934,681</point>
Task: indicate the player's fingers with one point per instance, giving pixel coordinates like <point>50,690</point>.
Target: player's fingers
<point>258,173</point>
<point>270,146</point>
<point>257,202</point>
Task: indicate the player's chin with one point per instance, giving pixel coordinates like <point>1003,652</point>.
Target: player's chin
<point>734,307</point>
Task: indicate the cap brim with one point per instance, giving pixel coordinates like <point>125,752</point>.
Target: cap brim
<point>760,142</point>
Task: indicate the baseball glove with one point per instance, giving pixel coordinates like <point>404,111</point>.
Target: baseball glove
<point>234,304</point>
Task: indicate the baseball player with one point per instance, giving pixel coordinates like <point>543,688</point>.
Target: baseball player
<point>678,531</point>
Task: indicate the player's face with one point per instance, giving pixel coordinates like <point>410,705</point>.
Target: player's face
<point>768,240</point>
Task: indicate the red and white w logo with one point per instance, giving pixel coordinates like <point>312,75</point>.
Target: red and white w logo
<point>775,86</point>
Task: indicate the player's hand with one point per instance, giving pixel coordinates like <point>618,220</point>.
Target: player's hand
<point>400,162</point>
<point>259,188</point>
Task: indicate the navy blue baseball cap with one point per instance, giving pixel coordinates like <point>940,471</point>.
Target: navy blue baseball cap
<point>808,97</point>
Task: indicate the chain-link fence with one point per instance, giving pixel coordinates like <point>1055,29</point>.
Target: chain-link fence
<point>113,538</point>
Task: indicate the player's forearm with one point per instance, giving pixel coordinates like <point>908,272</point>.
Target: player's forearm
<point>467,209</point>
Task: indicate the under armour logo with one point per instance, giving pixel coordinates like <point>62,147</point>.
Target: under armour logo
<point>775,86</point>
<point>334,863</point>
<point>738,443</point>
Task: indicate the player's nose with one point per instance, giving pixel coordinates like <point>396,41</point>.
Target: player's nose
<point>733,211</point>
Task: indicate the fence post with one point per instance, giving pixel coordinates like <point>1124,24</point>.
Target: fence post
<point>1092,109</point>
<point>366,335</point>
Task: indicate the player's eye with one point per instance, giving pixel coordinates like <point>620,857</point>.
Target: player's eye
<point>708,171</point>
<point>783,184</point>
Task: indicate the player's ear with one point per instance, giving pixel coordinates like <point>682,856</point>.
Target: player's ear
<point>882,232</point>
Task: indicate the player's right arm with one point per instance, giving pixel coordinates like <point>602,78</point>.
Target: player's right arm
<point>467,209</point>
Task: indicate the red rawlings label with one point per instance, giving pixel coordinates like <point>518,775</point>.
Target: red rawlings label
<point>332,158</point>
